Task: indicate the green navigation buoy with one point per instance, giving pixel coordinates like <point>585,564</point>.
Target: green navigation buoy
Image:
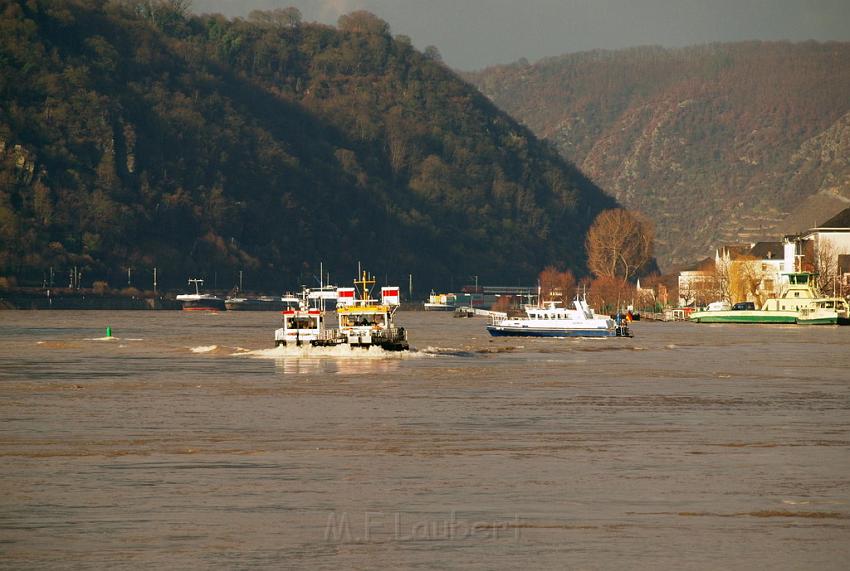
<point>108,331</point>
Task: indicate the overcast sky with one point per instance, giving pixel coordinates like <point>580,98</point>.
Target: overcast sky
<point>472,34</point>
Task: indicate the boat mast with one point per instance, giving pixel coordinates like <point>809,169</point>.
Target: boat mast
<point>364,282</point>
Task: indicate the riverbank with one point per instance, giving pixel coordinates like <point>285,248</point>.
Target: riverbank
<point>93,301</point>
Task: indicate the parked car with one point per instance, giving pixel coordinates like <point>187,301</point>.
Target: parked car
<point>744,306</point>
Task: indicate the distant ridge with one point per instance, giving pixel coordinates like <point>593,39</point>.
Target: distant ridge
<point>715,143</point>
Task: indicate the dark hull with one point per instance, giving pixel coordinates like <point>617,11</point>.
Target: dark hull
<point>204,305</point>
<point>256,305</point>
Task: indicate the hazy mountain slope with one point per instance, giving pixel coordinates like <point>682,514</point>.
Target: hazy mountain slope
<point>714,143</point>
<point>204,146</point>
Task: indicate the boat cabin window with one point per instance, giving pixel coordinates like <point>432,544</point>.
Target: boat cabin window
<point>362,320</point>
<point>302,322</point>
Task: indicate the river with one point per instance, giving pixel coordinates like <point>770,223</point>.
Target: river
<point>186,441</point>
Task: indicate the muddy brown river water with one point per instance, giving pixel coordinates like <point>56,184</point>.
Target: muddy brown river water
<point>186,442</point>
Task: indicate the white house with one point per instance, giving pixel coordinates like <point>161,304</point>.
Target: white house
<point>828,244</point>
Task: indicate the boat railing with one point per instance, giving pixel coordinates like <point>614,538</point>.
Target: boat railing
<point>391,334</point>
<point>330,335</point>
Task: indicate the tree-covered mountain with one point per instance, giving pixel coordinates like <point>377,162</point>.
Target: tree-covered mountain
<point>716,143</point>
<point>135,135</point>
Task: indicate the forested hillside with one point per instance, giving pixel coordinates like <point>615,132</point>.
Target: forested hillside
<point>715,143</point>
<point>135,135</point>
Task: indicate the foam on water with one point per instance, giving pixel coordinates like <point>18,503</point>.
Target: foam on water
<point>339,352</point>
<point>204,348</point>
<point>445,351</point>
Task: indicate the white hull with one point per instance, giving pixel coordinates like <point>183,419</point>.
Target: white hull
<point>438,307</point>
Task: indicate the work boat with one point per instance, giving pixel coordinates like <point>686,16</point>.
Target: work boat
<point>303,320</point>
<point>799,302</point>
<point>301,326</point>
<point>365,322</point>
<point>553,320</point>
<point>200,301</point>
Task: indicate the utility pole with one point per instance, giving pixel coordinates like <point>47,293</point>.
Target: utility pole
<point>240,281</point>
<point>410,286</point>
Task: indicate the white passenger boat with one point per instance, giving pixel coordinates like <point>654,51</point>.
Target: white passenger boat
<point>553,320</point>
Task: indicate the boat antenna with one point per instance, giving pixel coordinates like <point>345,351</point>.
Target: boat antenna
<point>364,282</point>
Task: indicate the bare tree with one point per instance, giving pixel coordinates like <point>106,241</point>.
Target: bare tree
<point>826,266</point>
<point>607,294</point>
<point>363,22</point>
<point>723,278</point>
<point>433,54</point>
<point>557,286</point>
<point>162,13</point>
<point>289,17</point>
<point>687,292</point>
<point>619,244</point>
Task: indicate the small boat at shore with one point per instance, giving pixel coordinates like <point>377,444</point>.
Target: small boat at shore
<point>553,320</point>
<point>799,303</point>
<point>200,301</point>
<point>441,302</point>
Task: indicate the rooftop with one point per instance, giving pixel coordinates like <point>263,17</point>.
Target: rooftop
<point>840,220</point>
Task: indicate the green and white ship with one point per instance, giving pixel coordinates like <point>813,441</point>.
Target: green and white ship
<point>799,303</point>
